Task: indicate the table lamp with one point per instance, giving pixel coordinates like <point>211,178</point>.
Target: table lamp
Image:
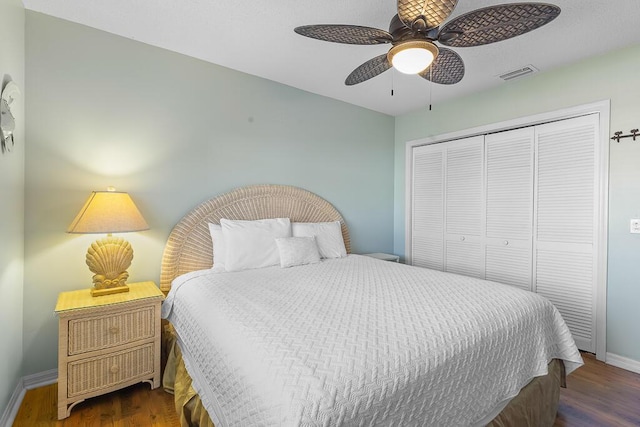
<point>109,258</point>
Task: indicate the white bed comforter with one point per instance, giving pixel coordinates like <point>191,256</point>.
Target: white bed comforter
<point>358,341</point>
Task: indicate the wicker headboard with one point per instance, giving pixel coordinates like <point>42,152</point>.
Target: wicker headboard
<point>189,246</point>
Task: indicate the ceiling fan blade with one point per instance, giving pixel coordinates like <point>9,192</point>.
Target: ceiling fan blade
<point>348,34</point>
<point>447,69</point>
<point>425,14</point>
<point>369,69</point>
<point>496,23</point>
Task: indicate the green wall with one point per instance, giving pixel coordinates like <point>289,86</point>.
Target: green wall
<point>12,204</point>
<point>173,131</point>
<point>612,76</point>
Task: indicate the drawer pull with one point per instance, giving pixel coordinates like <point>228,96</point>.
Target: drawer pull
<point>462,239</point>
<point>114,330</point>
<point>114,369</point>
<point>506,242</point>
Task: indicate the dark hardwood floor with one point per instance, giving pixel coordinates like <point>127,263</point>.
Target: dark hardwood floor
<point>596,395</point>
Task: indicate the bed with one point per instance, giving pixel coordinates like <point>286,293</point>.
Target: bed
<point>350,340</point>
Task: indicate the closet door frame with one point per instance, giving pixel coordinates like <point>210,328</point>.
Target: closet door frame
<point>602,108</point>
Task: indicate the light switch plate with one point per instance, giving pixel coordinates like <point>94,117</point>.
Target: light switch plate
<point>635,226</point>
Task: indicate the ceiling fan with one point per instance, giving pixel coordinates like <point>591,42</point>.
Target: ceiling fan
<point>414,31</point>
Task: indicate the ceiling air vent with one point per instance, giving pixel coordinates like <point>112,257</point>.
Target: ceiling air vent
<point>514,74</point>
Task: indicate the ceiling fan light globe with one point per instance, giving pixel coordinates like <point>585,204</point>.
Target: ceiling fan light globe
<point>413,56</point>
<point>412,61</point>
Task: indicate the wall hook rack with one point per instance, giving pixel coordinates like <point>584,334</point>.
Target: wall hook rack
<point>617,136</point>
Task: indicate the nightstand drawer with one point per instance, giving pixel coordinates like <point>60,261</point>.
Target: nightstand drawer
<point>110,330</point>
<point>103,372</point>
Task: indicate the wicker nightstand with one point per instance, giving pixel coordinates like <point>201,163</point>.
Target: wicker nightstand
<point>107,343</point>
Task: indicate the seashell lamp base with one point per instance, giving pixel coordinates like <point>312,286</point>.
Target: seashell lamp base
<point>109,259</point>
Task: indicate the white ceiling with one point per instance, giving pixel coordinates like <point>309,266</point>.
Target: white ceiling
<point>257,37</point>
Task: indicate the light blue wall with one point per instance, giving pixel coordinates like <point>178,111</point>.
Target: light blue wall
<point>12,204</point>
<point>612,76</point>
<point>173,131</point>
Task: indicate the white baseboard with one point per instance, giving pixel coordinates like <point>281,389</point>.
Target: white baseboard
<point>40,379</point>
<point>623,362</point>
<point>25,383</point>
<point>10,412</point>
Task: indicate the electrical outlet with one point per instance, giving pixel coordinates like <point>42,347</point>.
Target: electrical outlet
<point>635,226</point>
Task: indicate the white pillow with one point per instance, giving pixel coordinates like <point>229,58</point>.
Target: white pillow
<point>297,251</point>
<point>252,244</point>
<point>219,248</point>
<point>328,236</point>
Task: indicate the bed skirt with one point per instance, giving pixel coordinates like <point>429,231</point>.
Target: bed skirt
<point>535,406</point>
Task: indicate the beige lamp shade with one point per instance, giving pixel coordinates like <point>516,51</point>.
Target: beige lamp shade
<point>110,257</point>
<point>108,212</point>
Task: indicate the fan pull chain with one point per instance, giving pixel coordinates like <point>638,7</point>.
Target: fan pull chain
<point>430,85</point>
<point>393,74</point>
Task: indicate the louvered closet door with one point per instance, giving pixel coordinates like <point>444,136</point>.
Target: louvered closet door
<point>509,165</point>
<point>464,206</point>
<point>428,207</point>
<point>566,208</point>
